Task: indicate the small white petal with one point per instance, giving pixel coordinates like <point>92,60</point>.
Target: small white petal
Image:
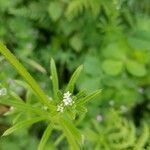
<point>67,94</point>
<point>67,101</point>
<point>99,118</point>
<point>60,108</point>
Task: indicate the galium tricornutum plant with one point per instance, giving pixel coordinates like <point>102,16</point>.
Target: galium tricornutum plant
<point>62,110</point>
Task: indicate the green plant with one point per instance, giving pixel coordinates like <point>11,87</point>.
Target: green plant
<point>114,132</point>
<point>62,110</point>
<point>110,38</point>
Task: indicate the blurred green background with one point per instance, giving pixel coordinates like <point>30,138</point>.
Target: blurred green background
<point>111,38</point>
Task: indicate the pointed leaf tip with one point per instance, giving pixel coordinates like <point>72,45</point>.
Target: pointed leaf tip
<point>89,97</point>
<point>22,124</point>
<point>54,76</point>
<point>51,60</point>
<point>73,79</point>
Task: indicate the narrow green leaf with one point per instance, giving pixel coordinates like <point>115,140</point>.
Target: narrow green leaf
<point>25,74</point>
<point>16,97</point>
<point>89,97</point>
<point>59,139</point>
<point>14,121</point>
<point>81,109</point>
<point>36,65</point>
<point>81,94</point>
<point>23,124</point>
<point>45,137</point>
<point>74,77</point>
<point>54,78</point>
<point>23,106</point>
<point>60,95</point>
<point>72,134</point>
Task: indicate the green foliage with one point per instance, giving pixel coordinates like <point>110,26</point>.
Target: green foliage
<point>21,125</point>
<point>72,134</point>
<point>76,6</point>
<point>23,72</point>
<point>136,68</point>
<point>112,67</point>
<point>73,79</point>
<point>45,137</point>
<point>54,116</point>
<point>109,37</point>
<point>54,78</point>
<point>19,141</point>
<point>55,9</point>
<point>117,133</point>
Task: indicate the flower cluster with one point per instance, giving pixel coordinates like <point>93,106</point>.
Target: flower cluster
<point>67,101</point>
<point>60,108</point>
<point>3,92</point>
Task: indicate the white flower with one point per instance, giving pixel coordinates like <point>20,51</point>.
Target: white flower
<point>3,92</point>
<point>99,118</point>
<point>67,99</point>
<point>60,108</point>
<point>67,94</point>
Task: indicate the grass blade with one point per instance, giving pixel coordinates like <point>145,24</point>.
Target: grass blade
<point>45,137</point>
<point>54,78</point>
<point>74,77</point>
<point>22,124</point>
<point>25,74</point>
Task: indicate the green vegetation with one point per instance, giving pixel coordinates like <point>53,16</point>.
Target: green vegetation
<point>110,39</point>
